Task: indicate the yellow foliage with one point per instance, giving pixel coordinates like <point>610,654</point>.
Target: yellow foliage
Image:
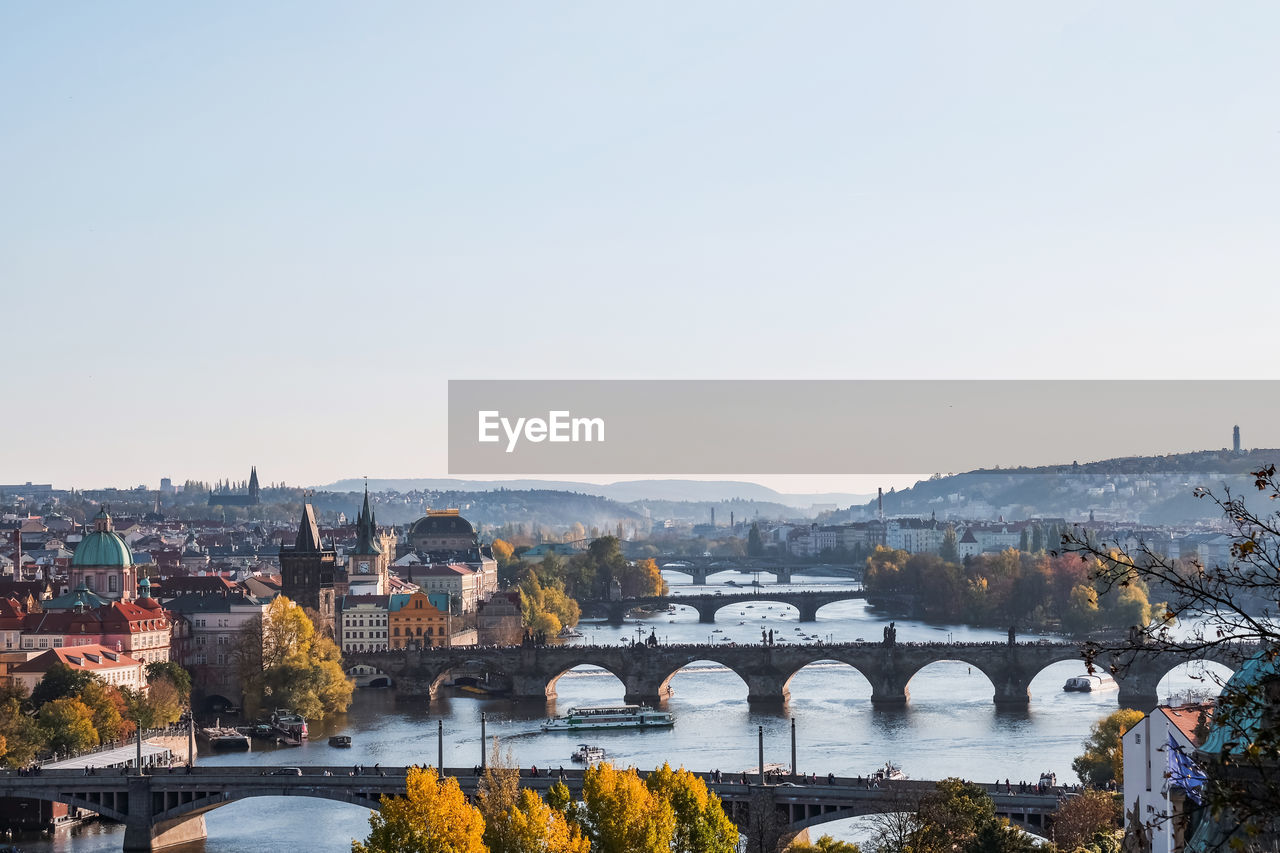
<point>622,816</point>
<point>433,817</point>
<point>535,827</point>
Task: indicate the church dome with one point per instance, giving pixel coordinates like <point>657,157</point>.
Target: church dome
<point>102,548</point>
<point>442,524</point>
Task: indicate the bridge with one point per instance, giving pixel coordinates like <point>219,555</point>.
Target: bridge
<point>646,671</point>
<point>702,567</point>
<point>807,602</point>
<point>163,809</point>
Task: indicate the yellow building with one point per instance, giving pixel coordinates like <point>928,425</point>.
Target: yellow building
<point>417,623</point>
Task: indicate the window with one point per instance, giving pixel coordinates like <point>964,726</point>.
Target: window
<point>111,582</point>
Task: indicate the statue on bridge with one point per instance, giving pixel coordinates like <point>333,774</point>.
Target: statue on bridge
<point>890,634</point>
<point>1013,634</point>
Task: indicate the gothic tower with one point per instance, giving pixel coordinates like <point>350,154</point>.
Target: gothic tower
<point>370,561</point>
<point>253,486</point>
<point>307,569</point>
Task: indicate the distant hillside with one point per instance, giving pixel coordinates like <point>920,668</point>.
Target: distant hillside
<point>708,491</point>
<point>1144,489</point>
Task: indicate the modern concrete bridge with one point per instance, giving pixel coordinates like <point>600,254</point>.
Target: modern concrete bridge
<point>162,809</point>
<point>807,602</point>
<point>646,671</point>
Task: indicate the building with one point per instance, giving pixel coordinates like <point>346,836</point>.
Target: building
<point>103,562</point>
<point>420,620</point>
<point>226,497</point>
<point>363,622</point>
<point>1151,794</point>
<point>140,628</point>
<point>460,585</point>
<point>307,571</point>
<point>369,563</point>
<point>442,530</point>
<point>111,666</point>
<point>500,621</point>
<point>205,631</point>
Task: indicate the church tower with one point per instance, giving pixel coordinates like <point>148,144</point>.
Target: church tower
<point>254,499</point>
<point>370,562</point>
<point>307,569</point>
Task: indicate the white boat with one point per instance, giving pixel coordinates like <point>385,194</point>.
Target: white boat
<point>1090,684</point>
<point>588,754</point>
<point>888,773</point>
<point>610,717</point>
<point>568,633</point>
<point>289,724</point>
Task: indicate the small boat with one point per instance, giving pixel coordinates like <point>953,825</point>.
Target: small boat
<point>610,717</point>
<point>340,741</point>
<point>588,754</point>
<point>1090,684</point>
<point>567,633</point>
<point>264,731</point>
<point>771,770</point>
<point>890,772</point>
<point>289,724</point>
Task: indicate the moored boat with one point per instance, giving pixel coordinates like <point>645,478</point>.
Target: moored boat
<point>588,754</point>
<point>888,773</point>
<point>610,717</point>
<point>289,724</point>
<point>225,738</point>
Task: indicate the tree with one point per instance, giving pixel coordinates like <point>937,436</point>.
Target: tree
<point>59,682</point>
<point>950,550</point>
<point>281,658</point>
<point>173,672</point>
<point>536,827</point>
<point>701,826</point>
<point>1081,819</point>
<point>160,706</point>
<point>111,716</point>
<point>1102,761</point>
<point>755,546</point>
<point>1228,607</point>
<point>68,725</point>
<point>621,815</point>
<point>433,817</point>
<point>22,736</point>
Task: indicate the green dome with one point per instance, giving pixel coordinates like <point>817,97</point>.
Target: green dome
<point>102,548</point>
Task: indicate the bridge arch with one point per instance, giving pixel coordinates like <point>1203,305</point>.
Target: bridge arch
<point>551,689</point>
<point>202,805</point>
<point>84,803</point>
<point>751,611</point>
<point>863,680</point>
<point>665,688</point>
<point>998,679</point>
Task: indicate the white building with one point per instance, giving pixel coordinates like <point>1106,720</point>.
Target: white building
<point>363,623</point>
<point>1147,790</point>
<point>112,667</point>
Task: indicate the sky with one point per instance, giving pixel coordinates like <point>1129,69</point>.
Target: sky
<point>270,233</point>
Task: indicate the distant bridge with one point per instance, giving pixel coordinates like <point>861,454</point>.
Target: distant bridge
<point>646,671</point>
<point>162,809</point>
<point>807,602</point>
<point>702,567</point>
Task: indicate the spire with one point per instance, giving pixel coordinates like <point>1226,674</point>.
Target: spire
<point>366,530</point>
<point>308,531</point>
<point>253,481</point>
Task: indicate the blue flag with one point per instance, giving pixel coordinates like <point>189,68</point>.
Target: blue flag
<point>1183,772</point>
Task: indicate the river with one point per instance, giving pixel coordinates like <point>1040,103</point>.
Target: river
<point>950,727</point>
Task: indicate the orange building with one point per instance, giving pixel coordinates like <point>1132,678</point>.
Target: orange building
<point>416,622</point>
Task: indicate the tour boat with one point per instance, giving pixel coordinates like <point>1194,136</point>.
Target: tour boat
<point>568,633</point>
<point>1090,684</point>
<point>289,724</point>
<point>588,754</point>
<point>225,737</point>
<point>610,717</point>
<point>890,772</point>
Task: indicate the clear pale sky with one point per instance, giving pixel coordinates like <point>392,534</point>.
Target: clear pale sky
<point>269,233</point>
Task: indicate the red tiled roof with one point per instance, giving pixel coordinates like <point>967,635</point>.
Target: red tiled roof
<point>1187,718</point>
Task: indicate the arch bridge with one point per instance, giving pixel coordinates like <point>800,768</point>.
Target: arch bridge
<point>163,809</point>
<point>700,568</point>
<point>646,671</point>
<point>807,602</point>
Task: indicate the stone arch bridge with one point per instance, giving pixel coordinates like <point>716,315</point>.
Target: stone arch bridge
<point>162,809</point>
<point>700,568</point>
<point>807,602</point>
<point>646,671</point>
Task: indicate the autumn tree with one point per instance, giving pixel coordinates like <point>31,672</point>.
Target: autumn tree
<point>68,725</point>
<point>22,736</point>
<point>433,817</point>
<point>621,815</point>
<point>701,826</point>
<point>59,682</point>
<point>282,659</point>
<point>1102,760</point>
<point>110,710</point>
<point>1081,820</point>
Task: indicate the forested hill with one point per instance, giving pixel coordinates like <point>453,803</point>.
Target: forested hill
<point>1146,489</point>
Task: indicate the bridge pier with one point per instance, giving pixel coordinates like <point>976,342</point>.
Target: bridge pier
<point>642,690</point>
<point>808,611</point>
<point>768,689</point>
<point>143,833</point>
<point>782,574</point>
<point>1012,690</point>
<point>707,613</point>
<point>699,576</point>
<point>889,692</point>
